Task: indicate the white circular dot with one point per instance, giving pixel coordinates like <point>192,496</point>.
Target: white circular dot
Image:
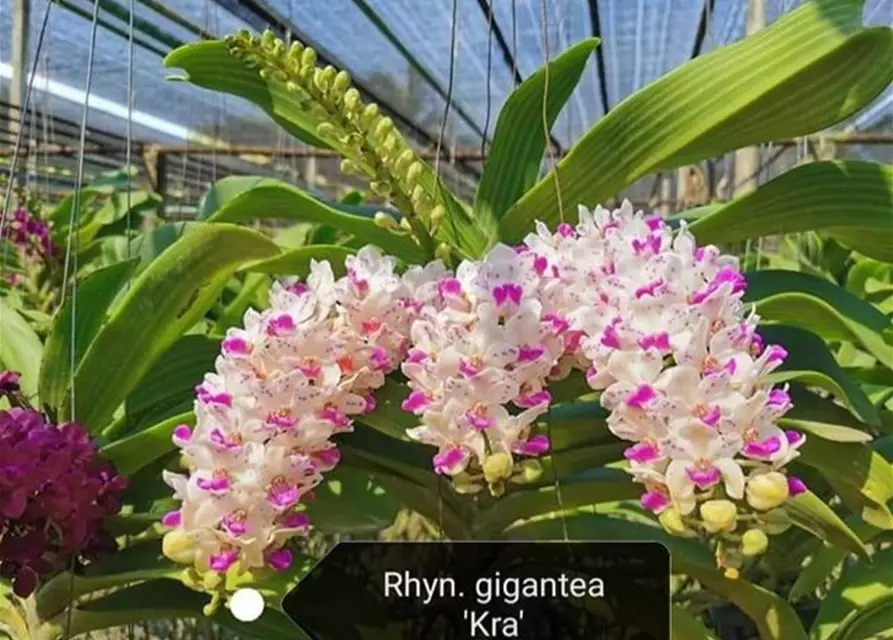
<point>246,605</point>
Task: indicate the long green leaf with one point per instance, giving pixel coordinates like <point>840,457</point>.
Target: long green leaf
<point>819,306</point>
<point>808,512</point>
<point>811,364</point>
<point>810,69</point>
<point>848,199</point>
<point>296,262</point>
<point>351,501</point>
<point>168,298</point>
<point>20,348</point>
<point>283,201</point>
<point>131,454</point>
<point>860,475</point>
<point>862,589</point>
<point>211,66</point>
<point>516,153</point>
<point>685,626</point>
<point>605,485</point>
<point>224,190</point>
<point>90,308</point>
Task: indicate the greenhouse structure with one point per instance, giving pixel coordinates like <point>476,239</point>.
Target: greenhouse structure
<point>446,319</point>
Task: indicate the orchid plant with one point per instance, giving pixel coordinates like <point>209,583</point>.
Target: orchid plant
<point>531,365</point>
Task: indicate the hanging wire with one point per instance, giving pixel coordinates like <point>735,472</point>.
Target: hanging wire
<point>128,151</point>
<point>489,75</point>
<point>547,133</point>
<point>18,141</point>
<point>449,102</point>
<point>515,40</point>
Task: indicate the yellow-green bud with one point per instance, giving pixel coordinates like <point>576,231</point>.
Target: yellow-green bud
<point>413,173</point>
<point>385,221</point>
<point>389,146</point>
<point>268,40</point>
<point>380,188</point>
<point>341,81</point>
<point>754,542</point>
<point>326,130</point>
<point>766,491</point>
<point>719,516</point>
<point>308,58</point>
<point>437,215</point>
<point>321,79</point>
<point>295,50</point>
<point>417,194</point>
<point>498,467</point>
<point>211,580</point>
<point>384,127</point>
<point>530,470</point>
<point>351,99</point>
<point>370,113</point>
<point>405,225</point>
<point>404,160</point>
<point>671,520</point>
<point>465,485</point>
<point>443,252</point>
<point>349,167</point>
<point>178,546</point>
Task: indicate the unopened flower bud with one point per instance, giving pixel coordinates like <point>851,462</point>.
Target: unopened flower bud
<point>370,113</point>
<point>464,484</point>
<point>384,127</point>
<point>437,215</point>
<point>413,173</point>
<point>341,82</point>
<point>754,542</point>
<point>351,99</point>
<point>178,546</point>
<point>385,221</point>
<point>308,58</point>
<point>443,252</point>
<point>719,516</point>
<point>498,467</point>
<point>295,50</point>
<point>671,520</point>
<point>766,491</point>
<point>404,160</point>
<point>349,167</point>
<point>326,130</point>
<point>406,225</point>
<point>380,188</point>
<point>529,470</point>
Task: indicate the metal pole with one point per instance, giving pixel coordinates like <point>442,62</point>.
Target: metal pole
<point>747,161</point>
<point>21,13</point>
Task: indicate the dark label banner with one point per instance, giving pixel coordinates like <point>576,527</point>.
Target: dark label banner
<point>471,590</point>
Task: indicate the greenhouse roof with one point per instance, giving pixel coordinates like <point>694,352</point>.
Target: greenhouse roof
<point>399,50</point>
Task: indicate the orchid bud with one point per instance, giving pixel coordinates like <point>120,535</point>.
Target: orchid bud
<point>719,516</point>
<point>351,99</point>
<point>754,542</point>
<point>498,467</point>
<point>766,491</point>
<point>178,546</point>
<point>385,221</point>
<point>671,520</point>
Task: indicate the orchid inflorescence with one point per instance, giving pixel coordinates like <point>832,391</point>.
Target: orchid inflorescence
<point>56,493</point>
<point>654,322</point>
<point>30,236</point>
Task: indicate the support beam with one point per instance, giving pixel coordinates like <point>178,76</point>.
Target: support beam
<point>596,26</point>
<point>21,20</point>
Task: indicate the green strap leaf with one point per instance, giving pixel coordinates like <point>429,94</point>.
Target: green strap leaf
<point>810,69</point>
<point>861,593</point>
<point>811,364</point>
<point>351,501</point>
<point>168,298</point>
<point>224,190</point>
<point>819,306</point>
<point>603,485</point>
<point>848,199</point>
<point>132,453</point>
<point>296,262</point>
<point>811,514</point>
<point>94,298</point>
<point>857,473</point>
<point>20,348</point>
<point>516,154</point>
<point>282,200</point>
<point>211,66</point>
<point>685,626</point>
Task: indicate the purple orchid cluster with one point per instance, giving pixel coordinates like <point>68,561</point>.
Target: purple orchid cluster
<point>55,492</point>
<point>30,236</point>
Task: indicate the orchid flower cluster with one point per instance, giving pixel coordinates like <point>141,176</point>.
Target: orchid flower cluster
<point>680,367</point>
<point>56,492</point>
<point>30,236</point>
<point>285,384</point>
<point>654,322</point>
